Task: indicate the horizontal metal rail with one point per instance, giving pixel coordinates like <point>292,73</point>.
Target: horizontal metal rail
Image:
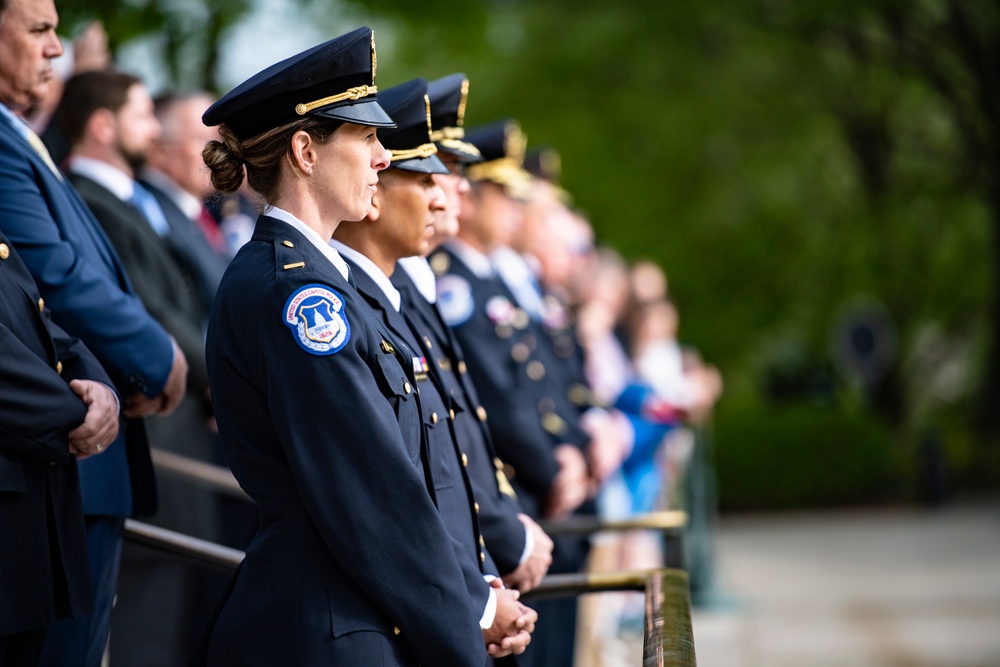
<point>665,521</point>
<point>192,548</point>
<point>668,640</point>
<point>207,475</point>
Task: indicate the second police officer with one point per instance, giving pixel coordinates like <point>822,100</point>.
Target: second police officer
<point>317,406</point>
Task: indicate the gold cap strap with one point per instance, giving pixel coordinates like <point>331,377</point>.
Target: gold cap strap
<point>426,150</point>
<point>448,133</point>
<point>463,146</point>
<point>355,93</point>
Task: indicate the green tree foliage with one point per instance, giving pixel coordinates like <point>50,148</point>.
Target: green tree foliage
<point>781,160</point>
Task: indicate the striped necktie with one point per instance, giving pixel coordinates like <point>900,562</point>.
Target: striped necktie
<point>36,142</point>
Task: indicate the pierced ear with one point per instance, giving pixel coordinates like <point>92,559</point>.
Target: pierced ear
<point>303,151</point>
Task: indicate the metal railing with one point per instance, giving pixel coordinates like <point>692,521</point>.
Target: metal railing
<point>668,639</point>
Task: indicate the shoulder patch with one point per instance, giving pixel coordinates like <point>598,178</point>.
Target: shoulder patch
<point>315,314</point>
<point>454,299</point>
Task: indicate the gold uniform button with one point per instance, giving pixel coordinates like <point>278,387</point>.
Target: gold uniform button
<point>407,388</point>
<point>434,418</point>
<point>427,342</point>
<point>482,542</point>
<point>41,304</point>
<point>476,506</point>
<point>395,631</point>
<point>520,353</point>
<point>287,244</point>
<point>536,370</point>
<point>451,414</point>
<point>465,460</point>
<point>4,251</point>
<point>461,367</point>
<point>482,557</point>
<point>481,412</point>
<point>59,367</point>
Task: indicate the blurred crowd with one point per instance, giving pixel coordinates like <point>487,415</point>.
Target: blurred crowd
<point>617,372</point>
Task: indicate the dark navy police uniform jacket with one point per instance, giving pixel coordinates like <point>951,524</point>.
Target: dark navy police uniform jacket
<point>502,530</point>
<point>44,573</point>
<point>319,417</point>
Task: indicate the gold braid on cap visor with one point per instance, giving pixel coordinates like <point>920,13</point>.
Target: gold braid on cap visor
<point>425,150</point>
<point>450,137</point>
<point>355,93</point>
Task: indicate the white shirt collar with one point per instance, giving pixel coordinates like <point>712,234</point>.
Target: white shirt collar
<point>477,262</point>
<point>311,236</point>
<point>114,179</point>
<point>373,271</point>
<point>422,275</point>
<point>189,204</point>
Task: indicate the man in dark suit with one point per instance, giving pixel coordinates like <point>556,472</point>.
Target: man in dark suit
<point>177,176</point>
<point>108,116</point>
<point>82,280</point>
<point>56,405</point>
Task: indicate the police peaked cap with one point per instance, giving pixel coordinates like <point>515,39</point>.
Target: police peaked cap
<point>448,97</point>
<point>335,79</point>
<point>502,146</point>
<point>409,143</point>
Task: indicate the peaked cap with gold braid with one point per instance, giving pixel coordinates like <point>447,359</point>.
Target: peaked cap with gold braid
<point>409,143</point>
<point>502,145</point>
<point>448,97</point>
<point>335,79</point>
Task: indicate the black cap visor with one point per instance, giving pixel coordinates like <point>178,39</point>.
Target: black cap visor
<point>362,112</point>
<point>423,165</point>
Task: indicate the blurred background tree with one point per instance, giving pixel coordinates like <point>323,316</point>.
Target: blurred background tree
<point>821,182</point>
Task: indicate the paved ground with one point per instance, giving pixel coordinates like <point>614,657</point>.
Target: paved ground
<point>900,587</point>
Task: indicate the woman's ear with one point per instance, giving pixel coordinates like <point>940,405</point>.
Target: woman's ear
<point>303,151</point>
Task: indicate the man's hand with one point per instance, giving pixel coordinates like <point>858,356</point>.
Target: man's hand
<point>569,489</point>
<point>512,624</point>
<point>100,427</point>
<point>530,572</point>
<point>139,405</point>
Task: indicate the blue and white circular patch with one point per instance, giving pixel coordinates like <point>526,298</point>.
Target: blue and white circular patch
<point>315,314</point>
<point>454,299</point>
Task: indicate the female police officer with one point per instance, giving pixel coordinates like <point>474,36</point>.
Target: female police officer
<point>317,410</point>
